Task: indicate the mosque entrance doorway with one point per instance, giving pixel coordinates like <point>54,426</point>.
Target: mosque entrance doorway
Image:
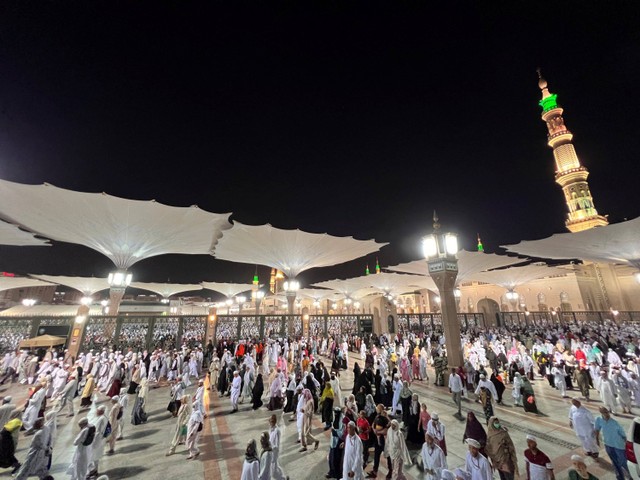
<point>491,311</point>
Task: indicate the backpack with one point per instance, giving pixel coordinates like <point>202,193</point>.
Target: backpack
<point>90,436</point>
<point>107,431</point>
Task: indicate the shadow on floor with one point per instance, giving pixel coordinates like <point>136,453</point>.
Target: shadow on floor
<point>136,447</point>
<point>124,472</point>
<point>140,433</point>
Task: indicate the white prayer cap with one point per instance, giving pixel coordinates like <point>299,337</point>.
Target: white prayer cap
<point>577,458</point>
<point>473,443</point>
<point>532,438</point>
<point>7,399</point>
<point>115,398</point>
<point>435,416</point>
<point>483,376</point>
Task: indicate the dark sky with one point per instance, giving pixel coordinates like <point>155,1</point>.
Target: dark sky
<point>352,118</point>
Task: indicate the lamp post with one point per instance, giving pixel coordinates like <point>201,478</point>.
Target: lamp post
<point>258,298</point>
<point>240,299</point>
<point>118,283</point>
<point>440,250</point>
<point>28,302</point>
<point>291,288</point>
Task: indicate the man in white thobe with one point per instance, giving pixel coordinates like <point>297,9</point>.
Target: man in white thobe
<point>67,395</point>
<point>236,385</point>
<point>477,464</point>
<point>608,392</point>
<point>79,466</point>
<point>37,462</point>
<point>352,463</point>
<point>274,438</point>
<point>433,459</point>
<point>97,447</point>
<point>582,422</point>
<point>299,412</point>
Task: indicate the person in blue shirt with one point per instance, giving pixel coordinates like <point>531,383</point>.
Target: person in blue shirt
<point>614,442</point>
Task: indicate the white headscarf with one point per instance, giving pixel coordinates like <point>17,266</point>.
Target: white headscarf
<point>395,444</point>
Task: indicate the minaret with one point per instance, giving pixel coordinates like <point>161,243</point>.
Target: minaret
<point>570,175</point>
<point>366,272</point>
<point>480,246</point>
<point>377,266</point>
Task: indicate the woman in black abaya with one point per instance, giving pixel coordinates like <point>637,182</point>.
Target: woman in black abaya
<point>256,393</point>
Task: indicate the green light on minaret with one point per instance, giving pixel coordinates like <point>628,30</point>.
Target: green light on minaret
<point>480,246</point>
<point>367,272</point>
<point>549,103</point>
<point>377,266</point>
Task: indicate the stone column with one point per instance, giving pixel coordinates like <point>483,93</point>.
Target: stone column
<point>445,280</point>
<point>77,330</point>
<point>115,297</point>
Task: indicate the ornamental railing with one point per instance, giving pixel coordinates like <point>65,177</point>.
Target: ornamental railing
<point>426,322</point>
<point>564,318</point>
<point>140,332</point>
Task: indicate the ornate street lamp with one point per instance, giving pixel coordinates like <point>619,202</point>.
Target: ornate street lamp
<point>440,250</point>
<point>118,283</point>
<point>513,299</point>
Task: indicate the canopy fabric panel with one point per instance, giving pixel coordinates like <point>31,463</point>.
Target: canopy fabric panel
<point>512,277</point>
<point>87,285</point>
<point>389,282</point>
<point>227,289</point>
<point>12,235</point>
<point>615,243</point>
<point>346,287</point>
<point>124,230</point>
<point>9,283</point>
<point>291,251</point>
<point>166,289</point>
<point>315,293</point>
<point>469,263</point>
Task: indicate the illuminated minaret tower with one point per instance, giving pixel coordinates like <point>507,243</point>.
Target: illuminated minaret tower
<point>570,175</point>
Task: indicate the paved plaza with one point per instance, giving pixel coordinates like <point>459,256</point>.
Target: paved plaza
<point>141,454</point>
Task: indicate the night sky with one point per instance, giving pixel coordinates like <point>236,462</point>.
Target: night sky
<point>352,118</point>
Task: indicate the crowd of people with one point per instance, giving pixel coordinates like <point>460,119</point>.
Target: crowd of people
<point>100,385</point>
<point>379,422</point>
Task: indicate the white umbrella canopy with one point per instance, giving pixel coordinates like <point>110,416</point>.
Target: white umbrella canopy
<point>166,289</point>
<point>290,251</point>
<point>346,287</point>
<point>615,243</point>
<point>513,277</point>
<point>126,231</point>
<point>389,282</point>
<point>315,293</point>
<point>87,285</point>
<point>227,289</point>
<point>9,283</point>
<point>469,263</point>
<point>12,235</point>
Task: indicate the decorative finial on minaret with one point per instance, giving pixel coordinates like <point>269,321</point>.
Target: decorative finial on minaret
<point>542,84</point>
<point>436,225</point>
<point>480,246</point>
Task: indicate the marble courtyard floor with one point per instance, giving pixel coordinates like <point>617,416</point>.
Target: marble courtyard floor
<point>141,454</point>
